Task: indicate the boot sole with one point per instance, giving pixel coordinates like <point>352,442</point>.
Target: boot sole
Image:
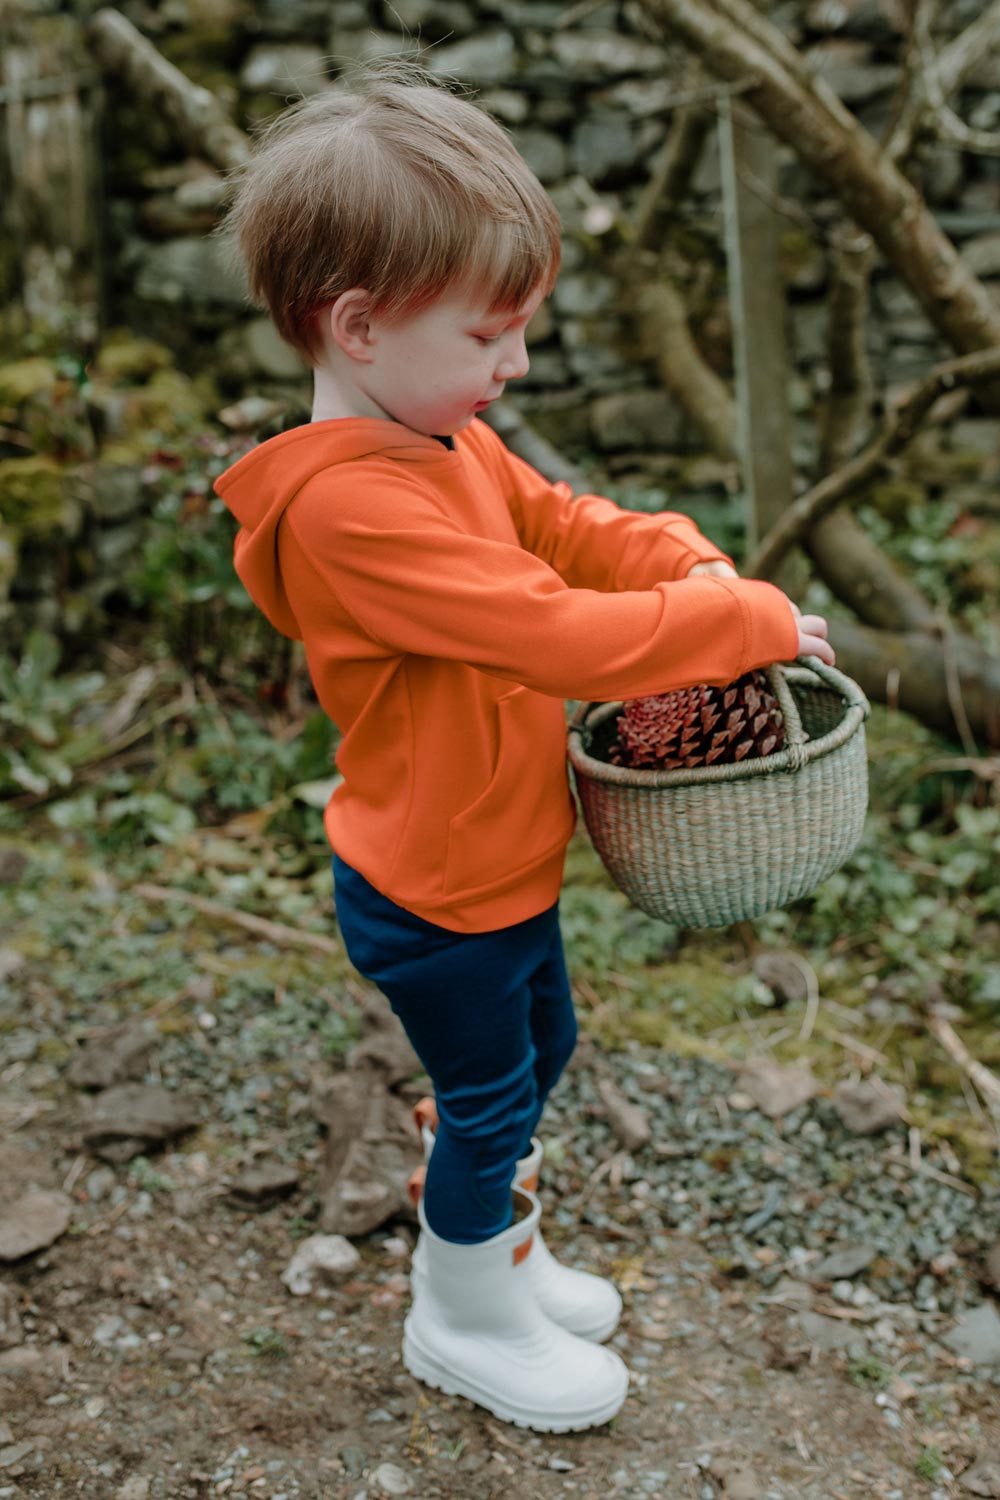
<point>431,1372</point>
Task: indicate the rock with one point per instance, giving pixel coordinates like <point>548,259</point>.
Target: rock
<point>874,20</point>
<point>777,1089</point>
<point>388,1049</point>
<point>250,413</point>
<point>584,294</point>
<point>976,1335</point>
<point>544,152</point>
<point>10,962</point>
<point>33,1221</point>
<point>483,59</point>
<point>117,492</point>
<point>14,1453</point>
<point>625,420</point>
<point>35,1359</point>
<point>263,1184</point>
<point>269,353</point>
<point>991,1267</point>
<point>603,55</point>
<point>869,1105</point>
<point>11,1332</point>
<point>194,271</point>
<point>123,1121</point>
<point>320,1257</point>
<point>391,1480</point>
<point>285,69</point>
<point>826,1333</point>
<point>112,1057</point>
<point>629,1122</point>
<point>432,20</point>
<point>13,863</point>
<point>371,1144</point>
<point>136,1487</point>
<point>842,1264</point>
<point>783,974</point>
<point>603,147</point>
<point>846,67</point>
<point>739,1482</point>
<point>983,1478</point>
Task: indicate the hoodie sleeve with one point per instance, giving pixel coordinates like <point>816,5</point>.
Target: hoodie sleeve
<point>590,541</point>
<point>417,583</point>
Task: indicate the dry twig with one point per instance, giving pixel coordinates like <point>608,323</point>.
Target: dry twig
<point>271,932</point>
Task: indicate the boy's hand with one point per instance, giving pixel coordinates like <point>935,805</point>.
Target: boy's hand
<point>812,636</point>
<point>716,569</point>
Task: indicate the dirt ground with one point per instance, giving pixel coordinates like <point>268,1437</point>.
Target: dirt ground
<point>152,1351</point>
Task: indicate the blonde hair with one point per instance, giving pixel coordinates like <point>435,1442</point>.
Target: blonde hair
<point>392,183</point>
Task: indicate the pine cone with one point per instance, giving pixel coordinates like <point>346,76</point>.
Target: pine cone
<point>700,726</point>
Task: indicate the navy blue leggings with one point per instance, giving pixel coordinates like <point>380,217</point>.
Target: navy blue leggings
<point>490,1016</point>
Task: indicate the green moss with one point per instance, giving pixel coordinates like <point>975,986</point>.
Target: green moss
<point>26,378</point>
<point>892,497</point>
<point>167,404</point>
<point>123,357</point>
<point>35,499</point>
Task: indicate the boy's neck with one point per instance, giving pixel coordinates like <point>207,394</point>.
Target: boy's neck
<point>333,399</point>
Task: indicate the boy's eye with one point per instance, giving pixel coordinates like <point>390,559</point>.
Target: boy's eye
<point>484,338</point>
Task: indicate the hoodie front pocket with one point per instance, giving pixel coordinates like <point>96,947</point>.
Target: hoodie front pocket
<point>524,812</point>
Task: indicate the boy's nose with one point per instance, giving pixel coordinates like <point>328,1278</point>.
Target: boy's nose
<point>513,362</point>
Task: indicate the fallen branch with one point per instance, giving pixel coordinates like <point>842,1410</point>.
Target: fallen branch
<point>987,1083</point>
<point>676,166</point>
<point>204,126</point>
<point>271,932</point>
<point>910,670</point>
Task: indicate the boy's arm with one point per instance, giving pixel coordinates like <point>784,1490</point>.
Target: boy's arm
<point>416,582</point>
<point>590,541</point>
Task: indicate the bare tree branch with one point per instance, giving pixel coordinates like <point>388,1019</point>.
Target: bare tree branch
<point>194,112</point>
<point>735,41</point>
<point>702,394</point>
<point>672,176</point>
<point>900,426</point>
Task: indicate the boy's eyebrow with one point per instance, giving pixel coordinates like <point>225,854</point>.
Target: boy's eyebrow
<point>505,319</point>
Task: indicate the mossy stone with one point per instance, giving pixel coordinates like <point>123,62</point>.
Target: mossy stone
<point>167,404</point>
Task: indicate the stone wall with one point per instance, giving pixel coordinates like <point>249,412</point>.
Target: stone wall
<point>588,95</point>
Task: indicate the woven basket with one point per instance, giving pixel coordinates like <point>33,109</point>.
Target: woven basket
<point>720,844</point>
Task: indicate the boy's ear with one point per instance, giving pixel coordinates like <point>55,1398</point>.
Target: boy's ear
<point>349,322</point>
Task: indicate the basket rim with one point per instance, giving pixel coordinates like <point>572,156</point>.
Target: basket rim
<point>808,672</point>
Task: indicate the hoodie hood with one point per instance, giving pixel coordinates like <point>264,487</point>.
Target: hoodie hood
<point>260,486</point>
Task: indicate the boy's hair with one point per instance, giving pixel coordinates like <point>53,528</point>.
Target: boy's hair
<point>391,183</point>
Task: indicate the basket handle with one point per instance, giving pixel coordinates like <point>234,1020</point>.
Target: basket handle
<point>796,742</point>
<point>841,684</point>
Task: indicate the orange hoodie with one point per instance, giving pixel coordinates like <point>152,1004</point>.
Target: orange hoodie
<point>448,602</point>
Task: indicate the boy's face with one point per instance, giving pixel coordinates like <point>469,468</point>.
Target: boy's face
<point>436,369</point>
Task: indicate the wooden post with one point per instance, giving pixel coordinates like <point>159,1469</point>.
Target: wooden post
<point>756,295</point>
<point>50,199</point>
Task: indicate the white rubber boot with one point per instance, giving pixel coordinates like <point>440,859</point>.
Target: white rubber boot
<point>475,1330</point>
<point>581,1303</point>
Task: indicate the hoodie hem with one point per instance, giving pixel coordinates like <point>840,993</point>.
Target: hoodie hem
<point>523,895</point>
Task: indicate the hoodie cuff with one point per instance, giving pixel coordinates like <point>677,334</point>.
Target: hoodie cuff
<point>770,629</point>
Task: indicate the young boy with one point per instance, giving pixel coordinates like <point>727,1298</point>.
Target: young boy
<point>449,599</point>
